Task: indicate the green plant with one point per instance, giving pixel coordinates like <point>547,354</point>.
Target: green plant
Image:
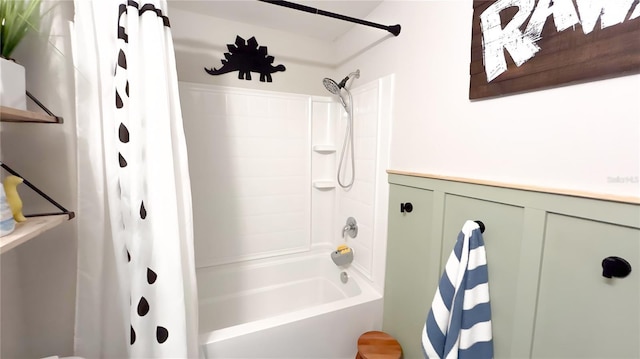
<point>17,18</point>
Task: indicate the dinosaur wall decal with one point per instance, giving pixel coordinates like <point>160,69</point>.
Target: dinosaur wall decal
<point>247,57</point>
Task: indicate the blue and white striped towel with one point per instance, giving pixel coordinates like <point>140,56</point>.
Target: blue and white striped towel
<point>459,322</point>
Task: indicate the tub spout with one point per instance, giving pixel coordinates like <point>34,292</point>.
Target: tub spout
<point>351,228</point>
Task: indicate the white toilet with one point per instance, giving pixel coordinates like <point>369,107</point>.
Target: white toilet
<point>57,357</point>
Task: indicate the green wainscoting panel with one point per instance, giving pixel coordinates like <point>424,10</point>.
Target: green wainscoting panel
<point>582,314</point>
<point>527,285</point>
<point>412,262</point>
<point>502,238</point>
<point>544,253</point>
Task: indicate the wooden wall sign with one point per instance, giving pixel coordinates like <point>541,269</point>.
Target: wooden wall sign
<point>520,45</point>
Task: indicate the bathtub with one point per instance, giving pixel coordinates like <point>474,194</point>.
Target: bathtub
<point>292,307</point>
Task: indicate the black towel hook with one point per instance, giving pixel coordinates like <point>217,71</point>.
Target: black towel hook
<point>406,207</point>
<point>615,267</point>
<point>482,227</point>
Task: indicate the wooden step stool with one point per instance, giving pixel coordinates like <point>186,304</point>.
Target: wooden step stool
<point>378,345</point>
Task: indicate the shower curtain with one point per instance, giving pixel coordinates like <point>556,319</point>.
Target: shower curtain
<point>136,291</point>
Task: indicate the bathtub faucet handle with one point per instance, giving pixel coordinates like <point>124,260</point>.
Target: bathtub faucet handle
<point>345,230</point>
<point>351,228</point>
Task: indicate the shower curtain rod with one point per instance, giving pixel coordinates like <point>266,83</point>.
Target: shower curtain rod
<point>394,29</point>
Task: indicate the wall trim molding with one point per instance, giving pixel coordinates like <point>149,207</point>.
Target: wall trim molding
<point>566,192</point>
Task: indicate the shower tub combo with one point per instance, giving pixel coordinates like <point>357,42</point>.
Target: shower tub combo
<point>293,307</point>
<point>265,232</point>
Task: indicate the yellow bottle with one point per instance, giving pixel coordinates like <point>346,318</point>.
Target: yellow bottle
<point>15,203</point>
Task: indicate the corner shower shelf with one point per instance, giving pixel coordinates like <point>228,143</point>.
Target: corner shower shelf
<point>29,229</point>
<point>324,184</point>
<point>324,149</point>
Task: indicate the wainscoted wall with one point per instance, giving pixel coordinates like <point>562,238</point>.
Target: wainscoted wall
<point>549,298</point>
<point>263,172</point>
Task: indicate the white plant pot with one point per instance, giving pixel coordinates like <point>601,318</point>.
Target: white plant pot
<point>12,85</point>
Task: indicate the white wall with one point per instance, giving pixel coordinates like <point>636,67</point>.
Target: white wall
<point>573,137</point>
<point>38,278</point>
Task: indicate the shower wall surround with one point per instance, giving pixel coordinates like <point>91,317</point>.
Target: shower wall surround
<point>263,173</point>
<point>367,199</point>
<point>249,164</point>
<point>360,201</point>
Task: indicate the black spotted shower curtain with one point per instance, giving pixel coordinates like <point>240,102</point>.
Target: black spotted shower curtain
<point>136,291</point>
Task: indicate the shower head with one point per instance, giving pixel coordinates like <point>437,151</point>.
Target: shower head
<point>335,87</point>
<point>331,86</point>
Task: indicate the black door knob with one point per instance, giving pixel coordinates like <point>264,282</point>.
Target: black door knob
<point>615,267</point>
<point>406,207</point>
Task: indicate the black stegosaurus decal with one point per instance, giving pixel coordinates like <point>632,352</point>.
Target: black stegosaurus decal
<point>247,57</point>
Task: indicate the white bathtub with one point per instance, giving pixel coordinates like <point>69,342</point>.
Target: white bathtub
<point>292,307</point>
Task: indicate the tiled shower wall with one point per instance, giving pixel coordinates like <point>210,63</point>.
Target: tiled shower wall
<point>249,164</point>
<point>263,173</point>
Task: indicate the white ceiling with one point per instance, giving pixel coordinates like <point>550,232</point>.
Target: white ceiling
<point>277,17</point>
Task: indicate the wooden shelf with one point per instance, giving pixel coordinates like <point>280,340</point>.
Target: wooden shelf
<point>30,228</point>
<point>8,114</point>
